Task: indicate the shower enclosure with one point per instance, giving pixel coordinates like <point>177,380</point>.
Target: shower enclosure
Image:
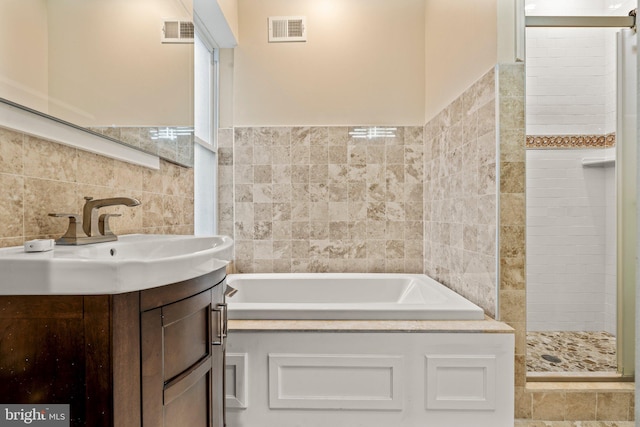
<point>580,189</point>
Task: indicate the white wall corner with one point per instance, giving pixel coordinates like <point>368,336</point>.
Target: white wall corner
<point>210,19</point>
<point>508,29</point>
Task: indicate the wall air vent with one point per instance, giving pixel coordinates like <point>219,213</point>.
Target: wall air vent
<point>174,31</point>
<point>287,29</point>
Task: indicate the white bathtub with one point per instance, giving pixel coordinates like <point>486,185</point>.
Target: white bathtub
<point>346,296</point>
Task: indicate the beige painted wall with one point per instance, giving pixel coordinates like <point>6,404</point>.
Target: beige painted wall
<point>363,63</point>
<point>25,81</point>
<point>461,44</point>
<point>141,81</point>
<point>107,65</point>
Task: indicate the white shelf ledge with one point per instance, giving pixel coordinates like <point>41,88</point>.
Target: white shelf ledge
<point>593,162</point>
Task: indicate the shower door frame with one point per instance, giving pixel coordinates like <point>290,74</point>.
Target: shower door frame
<point>626,188</point>
<point>626,170</point>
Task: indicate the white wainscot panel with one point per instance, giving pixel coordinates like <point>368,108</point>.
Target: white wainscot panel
<point>362,382</point>
<point>455,382</point>
<point>236,380</point>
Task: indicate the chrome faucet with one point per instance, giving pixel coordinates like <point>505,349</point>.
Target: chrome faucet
<point>92,228</point>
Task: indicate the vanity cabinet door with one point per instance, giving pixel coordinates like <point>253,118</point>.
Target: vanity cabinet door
<point>177,363</point>
<point>42,352</point>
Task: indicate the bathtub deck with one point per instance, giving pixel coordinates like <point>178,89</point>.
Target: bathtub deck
<point>488,325</point>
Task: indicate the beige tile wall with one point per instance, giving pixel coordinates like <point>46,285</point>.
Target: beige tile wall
<point>512,211</point>
<point>596,404</point>
<point>225,181</point>
<point>314,199</point>
<point>460,198</point>
<point>38,177</point>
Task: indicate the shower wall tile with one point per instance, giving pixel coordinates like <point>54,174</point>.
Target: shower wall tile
<point>460,194</point>
<point>570,252</point>
<point>314,199</point>
<point>38,177</point>
<point>558,82</point>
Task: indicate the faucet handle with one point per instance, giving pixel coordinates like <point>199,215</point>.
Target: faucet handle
<point>75,227</point>
<point>103,224</point>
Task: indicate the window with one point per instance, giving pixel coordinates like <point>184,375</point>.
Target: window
<point>206,130</point>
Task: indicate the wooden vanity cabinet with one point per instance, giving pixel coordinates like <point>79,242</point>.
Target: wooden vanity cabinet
<point>182,344</point>
<point>152,358</point>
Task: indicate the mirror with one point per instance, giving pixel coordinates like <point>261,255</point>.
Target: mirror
<point>106,66</point>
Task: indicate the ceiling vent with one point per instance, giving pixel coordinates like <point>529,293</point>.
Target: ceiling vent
<point>287,29</point>
<point>174,31</point>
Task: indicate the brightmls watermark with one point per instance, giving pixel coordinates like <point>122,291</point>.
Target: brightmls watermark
<point>12,415</point>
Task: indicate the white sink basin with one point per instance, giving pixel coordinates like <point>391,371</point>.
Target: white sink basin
<point>133,262</point>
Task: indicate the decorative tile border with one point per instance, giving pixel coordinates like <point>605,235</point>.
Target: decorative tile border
<point>571,141</point>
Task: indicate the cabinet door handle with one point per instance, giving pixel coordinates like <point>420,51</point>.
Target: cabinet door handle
<point>221,312</point>
<point>225,319</point>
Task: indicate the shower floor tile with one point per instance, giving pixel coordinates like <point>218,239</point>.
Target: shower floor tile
<point>571,352</point>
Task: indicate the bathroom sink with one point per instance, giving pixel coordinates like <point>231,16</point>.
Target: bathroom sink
<point>134,262</point>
